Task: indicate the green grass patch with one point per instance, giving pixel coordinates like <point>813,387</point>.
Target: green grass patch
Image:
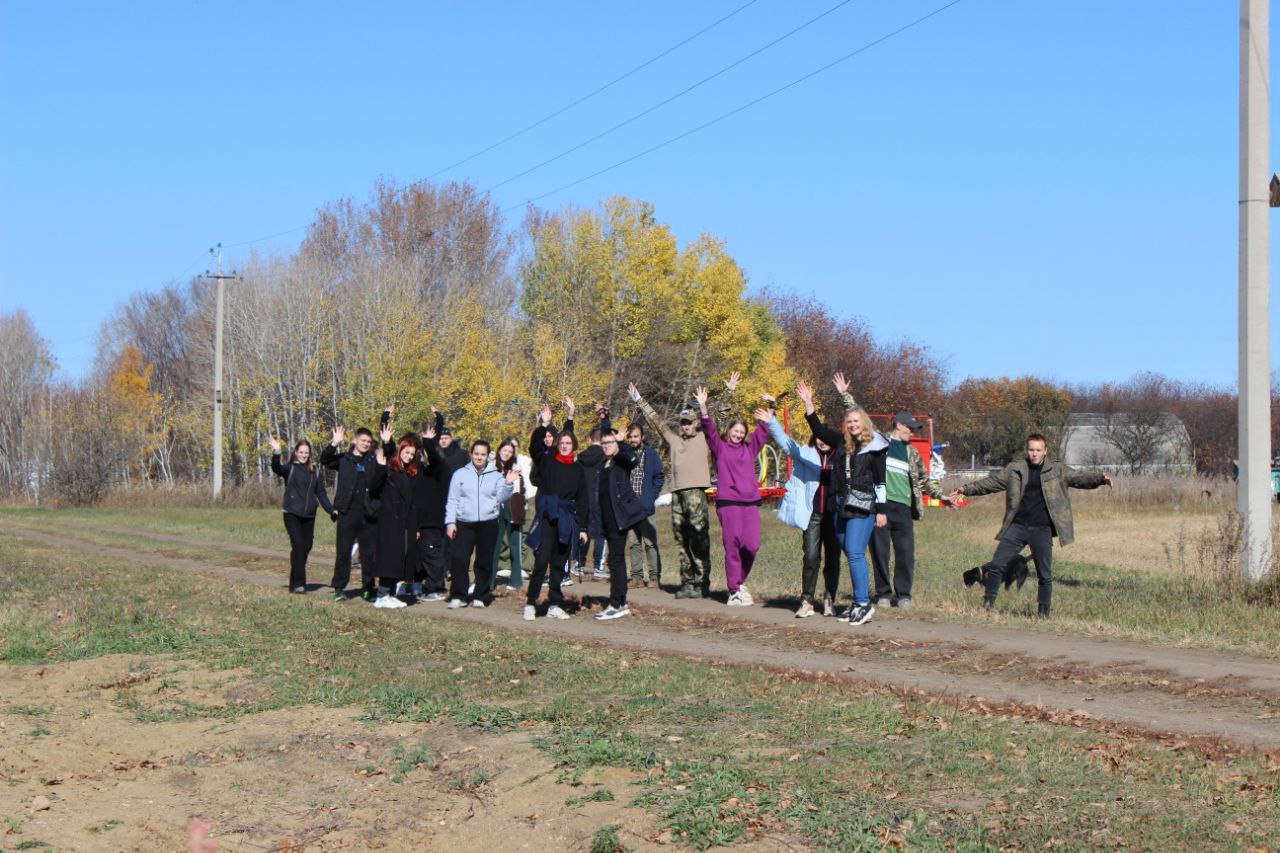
<point>720,755</point>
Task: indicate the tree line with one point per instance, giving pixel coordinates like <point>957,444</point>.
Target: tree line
<point>424,295</point>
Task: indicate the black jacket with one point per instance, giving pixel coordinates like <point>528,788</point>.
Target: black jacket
<point>455,456</point>
<point>567,482</point>
<point>344,491</point>
<point>866,469</point>
<point>397,554</point>
<point>592,460</point>
<point>303,489</point>
<point>616,495</point>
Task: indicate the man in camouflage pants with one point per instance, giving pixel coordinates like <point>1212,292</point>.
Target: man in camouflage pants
<point>690,479</point>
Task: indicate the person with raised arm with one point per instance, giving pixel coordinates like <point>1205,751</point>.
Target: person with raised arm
<point>563,508</point>
<point>304,490</point>
<point>690,479</point>
<point>857,495</point>
<point>804,506</point>
<point>471,523</point>
<point>737,493</point>
<point>397,492</point>
<point>357,511</point>
<point>1037,507</point>
<point>432,485</point>
<point>647,480</point>
<point>511,515</point>
<point>619,511</point>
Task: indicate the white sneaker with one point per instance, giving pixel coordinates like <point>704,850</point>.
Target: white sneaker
<point>861,614</point>
<point>388,602</point>
<point>530,613</point>
<point>747,600</point>
<point>435,596</point>
<point>612,612</point>
<point>828,606</point>
<point>566,582</point>
<point>575,570</point>
<point>455,603</point>
<point>555,612</point>
<point>601,574</point>
<point>477,603</point>
<point>805,610</point>
<point>736,600</point>
<point>503,574</point>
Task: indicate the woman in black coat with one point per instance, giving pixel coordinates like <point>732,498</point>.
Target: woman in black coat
<point>398,492</point>
<point>304,490</point>
<point>618,510</point>
<point>563,507</point>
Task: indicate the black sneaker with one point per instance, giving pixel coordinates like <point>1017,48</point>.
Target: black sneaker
<point>368,594</point>
<point>861,614</point>
<point>339,595</point>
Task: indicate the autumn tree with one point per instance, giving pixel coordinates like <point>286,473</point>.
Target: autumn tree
<point>26,370</point>
<point>991,418</point>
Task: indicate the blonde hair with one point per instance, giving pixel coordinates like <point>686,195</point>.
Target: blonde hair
<point>864,438</point>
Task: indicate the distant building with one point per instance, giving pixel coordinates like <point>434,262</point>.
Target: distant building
<point>1140,443</point>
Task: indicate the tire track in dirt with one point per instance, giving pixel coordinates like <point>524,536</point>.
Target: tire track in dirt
<point>1161,714</point>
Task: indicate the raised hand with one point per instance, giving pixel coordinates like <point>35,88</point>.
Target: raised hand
<point>385,433</point>
<point>805,392</point>
<point>732,382</point>
<point>513,476</point>
<point>764,415</point>
<point>700,394</point>
<point>568,404</point>
<point>769,398</point>
<point>429,432</point>
<point>339,435</point>
<point>390,410</point>
<point>275,444</point>
<point>633,392</point>
<point>842,384</point>
<point>545,415</point>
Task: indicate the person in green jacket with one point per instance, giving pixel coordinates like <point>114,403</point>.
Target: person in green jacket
<point>690,479</point>
<point>1037,507</point>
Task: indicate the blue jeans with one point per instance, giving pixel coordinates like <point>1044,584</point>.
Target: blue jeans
<point>853,534</point>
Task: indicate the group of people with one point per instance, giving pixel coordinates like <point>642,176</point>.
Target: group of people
<point>423,512</point>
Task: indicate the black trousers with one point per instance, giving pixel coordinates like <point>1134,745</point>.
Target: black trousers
<point>616,556</point>
<point>431,565</point>
<point>821,551</point>
<point>1017,537</point>
<point>476,537</point>
<point>553,553</point>
<point>901,535</point>
<point>354,526</point>
<point>302,532</point>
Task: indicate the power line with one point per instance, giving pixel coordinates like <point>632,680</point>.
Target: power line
<point>738,109</point>
<point>542,120</point>
<point>592,93</point>
<point>676,96</point>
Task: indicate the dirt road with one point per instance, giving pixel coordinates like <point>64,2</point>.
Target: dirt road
<point>1149,690</point>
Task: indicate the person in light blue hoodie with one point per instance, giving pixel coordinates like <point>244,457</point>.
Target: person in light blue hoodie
<point>804,507</point>
<point>476,492</point>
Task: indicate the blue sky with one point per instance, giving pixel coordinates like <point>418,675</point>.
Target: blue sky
<point>1027,187</point>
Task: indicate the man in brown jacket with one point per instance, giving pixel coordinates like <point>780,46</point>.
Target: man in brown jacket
<point>690,479</point>
<point>1037,507</point>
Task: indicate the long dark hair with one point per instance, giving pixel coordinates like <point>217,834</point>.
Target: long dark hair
<point>311,457</point>
<point>504,467</point>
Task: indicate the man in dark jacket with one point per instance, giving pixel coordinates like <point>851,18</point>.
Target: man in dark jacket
<point>357,511</point>
<point>433,487</point>
<point>592,459</point>
<point>647,480</point>
<point>1037,508</point>
<point>619,510</point>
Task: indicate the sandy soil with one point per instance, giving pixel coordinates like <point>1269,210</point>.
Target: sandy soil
<point>303,777</point>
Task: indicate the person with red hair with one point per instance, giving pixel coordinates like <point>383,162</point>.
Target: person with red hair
<point>397,495</point>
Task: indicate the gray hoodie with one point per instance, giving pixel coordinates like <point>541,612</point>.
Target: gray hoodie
<point>475,495</point>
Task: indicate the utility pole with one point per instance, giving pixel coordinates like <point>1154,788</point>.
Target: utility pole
<point>217,372</point>
<point>1253,495</point>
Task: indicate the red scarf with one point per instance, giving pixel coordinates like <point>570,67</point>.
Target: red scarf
<point>565,460</point>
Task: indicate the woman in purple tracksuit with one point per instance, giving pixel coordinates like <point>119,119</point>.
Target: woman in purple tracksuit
<point>737,496</point>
